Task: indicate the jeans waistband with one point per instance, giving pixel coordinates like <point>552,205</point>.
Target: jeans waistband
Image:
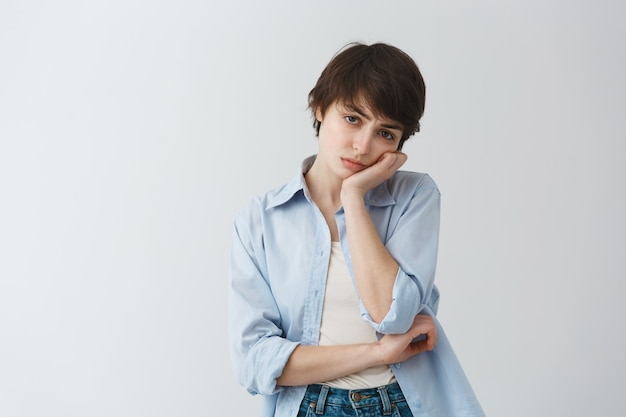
<point>384,396</point>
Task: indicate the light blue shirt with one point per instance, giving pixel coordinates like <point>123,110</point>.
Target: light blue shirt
<point>279,261</point>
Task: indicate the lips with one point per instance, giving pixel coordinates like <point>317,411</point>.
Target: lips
<point>352,164</point>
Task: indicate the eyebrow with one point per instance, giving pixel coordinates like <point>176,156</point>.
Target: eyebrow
<point>368,118</point>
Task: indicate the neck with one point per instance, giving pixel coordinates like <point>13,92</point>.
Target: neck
<point>325,189</point>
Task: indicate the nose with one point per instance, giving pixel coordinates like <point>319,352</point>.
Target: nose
<point>361,143</point>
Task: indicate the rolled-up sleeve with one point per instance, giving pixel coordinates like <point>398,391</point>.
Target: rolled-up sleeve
<point>259,351</point>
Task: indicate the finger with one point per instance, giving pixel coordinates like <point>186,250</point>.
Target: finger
<point>421,346</point>
<point>431,333</point>
<point>425,325</point>
<point>394,160</point>
<point>432,338</point>
<point>387,160</point>
<point>431,341</point>
<point>400,159</point>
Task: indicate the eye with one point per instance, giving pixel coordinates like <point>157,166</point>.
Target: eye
<point>352,120</point>
<point>387,135</point>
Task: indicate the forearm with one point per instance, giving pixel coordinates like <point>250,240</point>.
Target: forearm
<point>373,266</point>
<point>317,364</point>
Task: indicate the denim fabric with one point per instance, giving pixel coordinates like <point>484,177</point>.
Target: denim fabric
<point>324,401</point>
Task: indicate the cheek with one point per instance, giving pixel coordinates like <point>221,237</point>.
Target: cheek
<point>330,139</point>
<point>384,147</point>
<point>334,133</point>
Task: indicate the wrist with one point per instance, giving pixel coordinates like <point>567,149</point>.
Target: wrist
<point>377,353</point>
<point>350,196</point>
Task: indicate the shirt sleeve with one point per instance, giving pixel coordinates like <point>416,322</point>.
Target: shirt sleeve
<point>259,351</point>
<point>412,239</point>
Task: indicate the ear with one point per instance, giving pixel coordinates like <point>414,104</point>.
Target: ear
<point>318,114</point>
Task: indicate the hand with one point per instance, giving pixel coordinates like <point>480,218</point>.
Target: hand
<point>395,348</point>
<point>363,181</point>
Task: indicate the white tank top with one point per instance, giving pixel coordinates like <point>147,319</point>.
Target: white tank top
<point>342,324</point>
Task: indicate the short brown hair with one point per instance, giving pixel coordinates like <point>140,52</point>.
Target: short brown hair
<point>384,76</point>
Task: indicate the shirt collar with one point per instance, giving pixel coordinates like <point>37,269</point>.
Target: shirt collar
<point>378,196</point>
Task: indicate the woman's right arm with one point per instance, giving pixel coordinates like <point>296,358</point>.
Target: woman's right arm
<point>317,364</point>
<point>258,348</point>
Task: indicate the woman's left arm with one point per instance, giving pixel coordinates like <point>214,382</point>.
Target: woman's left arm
<point>400,271</point>
<point>373,266</point>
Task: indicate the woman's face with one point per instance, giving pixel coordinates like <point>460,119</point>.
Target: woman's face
<point>352,138</point>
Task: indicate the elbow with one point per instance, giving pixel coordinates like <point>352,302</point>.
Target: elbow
<point>396,320</point>
<point>378,314</point>
<point>376,310</point>
<point>262,367</point>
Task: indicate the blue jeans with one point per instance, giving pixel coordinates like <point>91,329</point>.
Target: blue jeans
<point>324,401</point>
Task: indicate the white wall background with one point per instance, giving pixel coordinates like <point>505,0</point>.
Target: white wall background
<point>131,131</point>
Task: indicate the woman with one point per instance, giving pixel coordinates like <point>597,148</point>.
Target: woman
<point>332,300</point>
